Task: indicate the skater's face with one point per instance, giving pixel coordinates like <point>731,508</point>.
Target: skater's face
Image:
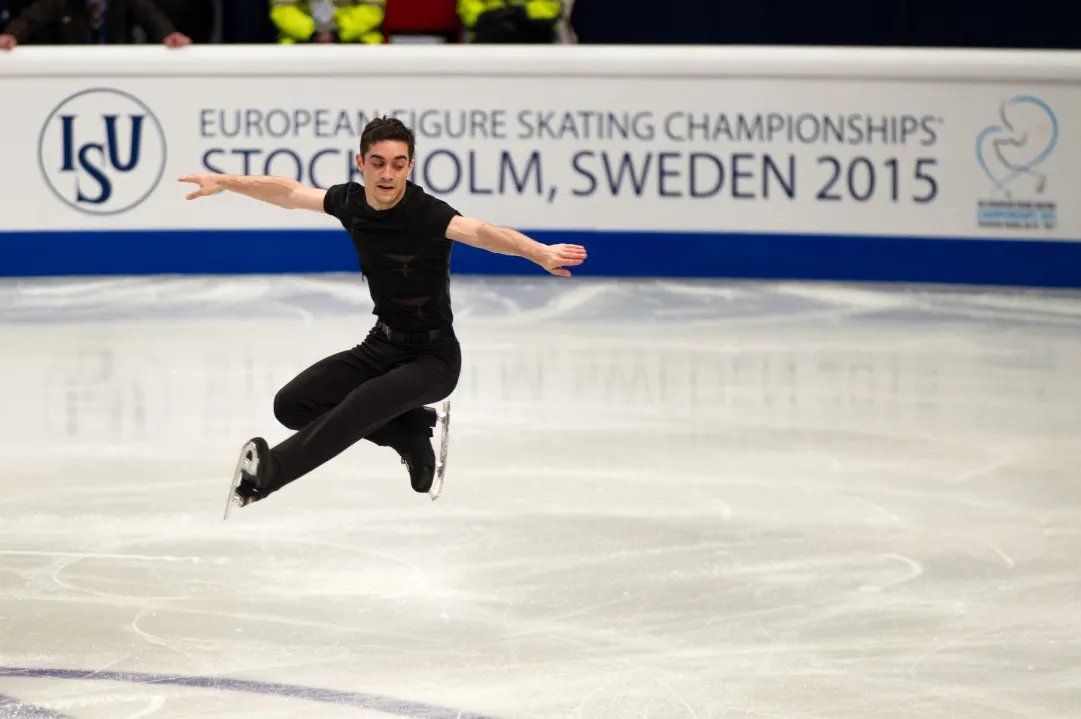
<point>386,168</point>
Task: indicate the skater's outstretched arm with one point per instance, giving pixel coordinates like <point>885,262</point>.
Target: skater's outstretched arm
<point>280,191</point>
<point>505,241</point>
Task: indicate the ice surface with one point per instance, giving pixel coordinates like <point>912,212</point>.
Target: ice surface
<point>664,500</point>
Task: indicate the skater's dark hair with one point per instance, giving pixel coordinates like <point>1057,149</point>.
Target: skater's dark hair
<point>386,128</point>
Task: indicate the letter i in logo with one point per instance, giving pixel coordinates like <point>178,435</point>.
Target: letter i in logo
<point>102,151</point>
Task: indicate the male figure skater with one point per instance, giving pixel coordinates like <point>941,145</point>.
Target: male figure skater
<point>411,357</point>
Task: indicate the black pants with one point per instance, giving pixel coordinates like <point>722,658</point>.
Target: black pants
<point>368,392</point>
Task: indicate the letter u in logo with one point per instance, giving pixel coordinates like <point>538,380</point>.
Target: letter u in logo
<point>102,151</point>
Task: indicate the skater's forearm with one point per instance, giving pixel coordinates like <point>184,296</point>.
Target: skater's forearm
<point>279,191</point>
<point>500,240</point>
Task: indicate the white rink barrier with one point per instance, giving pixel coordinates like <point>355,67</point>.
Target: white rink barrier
<point>856,164</point>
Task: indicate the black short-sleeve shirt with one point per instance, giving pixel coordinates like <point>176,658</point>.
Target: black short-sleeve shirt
<point>404,253</point>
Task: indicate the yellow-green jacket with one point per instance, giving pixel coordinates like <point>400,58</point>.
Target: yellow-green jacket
<point>348,20</point>
<point>470,10</point>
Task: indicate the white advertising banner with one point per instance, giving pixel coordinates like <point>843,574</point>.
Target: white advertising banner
<point>651,140</point>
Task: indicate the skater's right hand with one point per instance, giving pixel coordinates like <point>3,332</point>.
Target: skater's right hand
<point>209,183</point>
<point>557,258</point>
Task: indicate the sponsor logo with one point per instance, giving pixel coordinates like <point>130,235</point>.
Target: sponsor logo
<point>1012,154</point>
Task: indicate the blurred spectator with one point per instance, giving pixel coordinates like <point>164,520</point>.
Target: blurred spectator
<point>1034,24</point>
<point>685,22</point>
<point>512,21</point>
<point>852,23</point>
<point>92,22</point>
<point>351,21</point>
<point>422,21</point>
<point>194,18</point>
<point>246,22</point>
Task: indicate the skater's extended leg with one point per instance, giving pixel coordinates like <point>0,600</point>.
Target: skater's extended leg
<point>428,378</point>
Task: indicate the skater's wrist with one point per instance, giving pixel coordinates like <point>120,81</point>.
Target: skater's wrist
<point>536,253</point>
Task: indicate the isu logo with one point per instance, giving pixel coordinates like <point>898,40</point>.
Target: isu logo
<point>102,151</point>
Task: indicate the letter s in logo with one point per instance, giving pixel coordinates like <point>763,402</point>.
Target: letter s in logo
<point>102,151</point>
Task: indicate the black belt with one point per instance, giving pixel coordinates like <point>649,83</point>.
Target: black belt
<point>425,336</point>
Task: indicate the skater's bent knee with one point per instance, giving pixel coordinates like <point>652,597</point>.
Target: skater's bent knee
<point>288,410</point>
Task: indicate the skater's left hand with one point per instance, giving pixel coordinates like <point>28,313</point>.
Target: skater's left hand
<point>556,258</point>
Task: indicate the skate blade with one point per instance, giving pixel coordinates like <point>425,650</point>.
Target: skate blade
<point>443,415</point>
<point>241,464</point>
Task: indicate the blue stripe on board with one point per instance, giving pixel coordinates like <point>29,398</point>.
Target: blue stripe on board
<point>387,705</point>
<point>615,254</point>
